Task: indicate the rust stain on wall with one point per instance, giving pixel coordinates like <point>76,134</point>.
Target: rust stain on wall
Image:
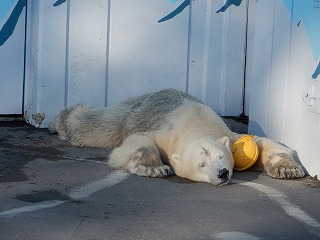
<point>38,118</point>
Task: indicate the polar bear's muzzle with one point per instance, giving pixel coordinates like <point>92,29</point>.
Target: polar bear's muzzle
<point>221,177</point>
<point>224,175</point>
<point>219,172</point>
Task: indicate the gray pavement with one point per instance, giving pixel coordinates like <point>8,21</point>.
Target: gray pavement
<point>50,189</point>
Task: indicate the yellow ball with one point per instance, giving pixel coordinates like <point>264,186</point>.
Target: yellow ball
<point>245,153</point>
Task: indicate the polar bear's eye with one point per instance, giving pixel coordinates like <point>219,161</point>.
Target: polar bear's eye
<point>202,165</point>
<point>220,157</point>
<point>205,151</point>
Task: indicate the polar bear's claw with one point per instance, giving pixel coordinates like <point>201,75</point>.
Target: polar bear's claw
<point>159,171</point>
<point>288,172</point>
<point>284,167</point>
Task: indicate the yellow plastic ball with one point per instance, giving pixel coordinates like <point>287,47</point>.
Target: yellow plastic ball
<point>245,153</point>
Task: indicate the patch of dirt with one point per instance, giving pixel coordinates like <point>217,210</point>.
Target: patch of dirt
<point>21,145</point>
<point>312,181</point>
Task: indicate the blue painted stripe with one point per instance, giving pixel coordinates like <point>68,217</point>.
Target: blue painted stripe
<point>4,7</point>
<point>317,72</point>
<point>11,23</point>
<point>228,4</point>
<point>176,11</point>
<point>59,2</point>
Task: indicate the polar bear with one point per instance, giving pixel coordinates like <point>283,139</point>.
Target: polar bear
<point>168,132</point>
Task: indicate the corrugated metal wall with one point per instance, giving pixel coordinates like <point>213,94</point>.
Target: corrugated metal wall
<point>103,51</point>
<point>283,67</point>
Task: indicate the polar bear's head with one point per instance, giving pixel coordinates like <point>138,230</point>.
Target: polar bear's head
<point>205,160</point>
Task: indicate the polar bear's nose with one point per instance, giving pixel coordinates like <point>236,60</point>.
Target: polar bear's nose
<point>224,174</point>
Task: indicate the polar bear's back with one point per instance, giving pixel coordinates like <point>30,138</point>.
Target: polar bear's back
<point>164,101</point>
<point>108,127</point>
<point>149,111</point>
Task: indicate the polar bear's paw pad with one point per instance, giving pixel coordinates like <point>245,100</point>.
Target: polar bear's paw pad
<point>283,166</point>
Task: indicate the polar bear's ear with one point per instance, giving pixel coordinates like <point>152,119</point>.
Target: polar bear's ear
<point>176,158</point>
<point>225,141</point>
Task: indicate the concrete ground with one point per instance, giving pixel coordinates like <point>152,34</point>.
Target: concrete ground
<point>50,189</point>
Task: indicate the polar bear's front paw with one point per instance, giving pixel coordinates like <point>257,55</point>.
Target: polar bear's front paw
<point>282,165</point>
<point>158,171</point>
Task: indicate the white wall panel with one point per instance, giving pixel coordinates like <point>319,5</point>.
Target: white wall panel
<point>261,63</point>
<point>282,66</point>
<point>278,72</point>
<point>146,55</point>
<point>45,92</point>
<point>217,55</point>
<point>87,52</point>
<point>249,53</point>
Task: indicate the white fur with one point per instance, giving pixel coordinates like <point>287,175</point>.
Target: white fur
<point>165,132</point>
